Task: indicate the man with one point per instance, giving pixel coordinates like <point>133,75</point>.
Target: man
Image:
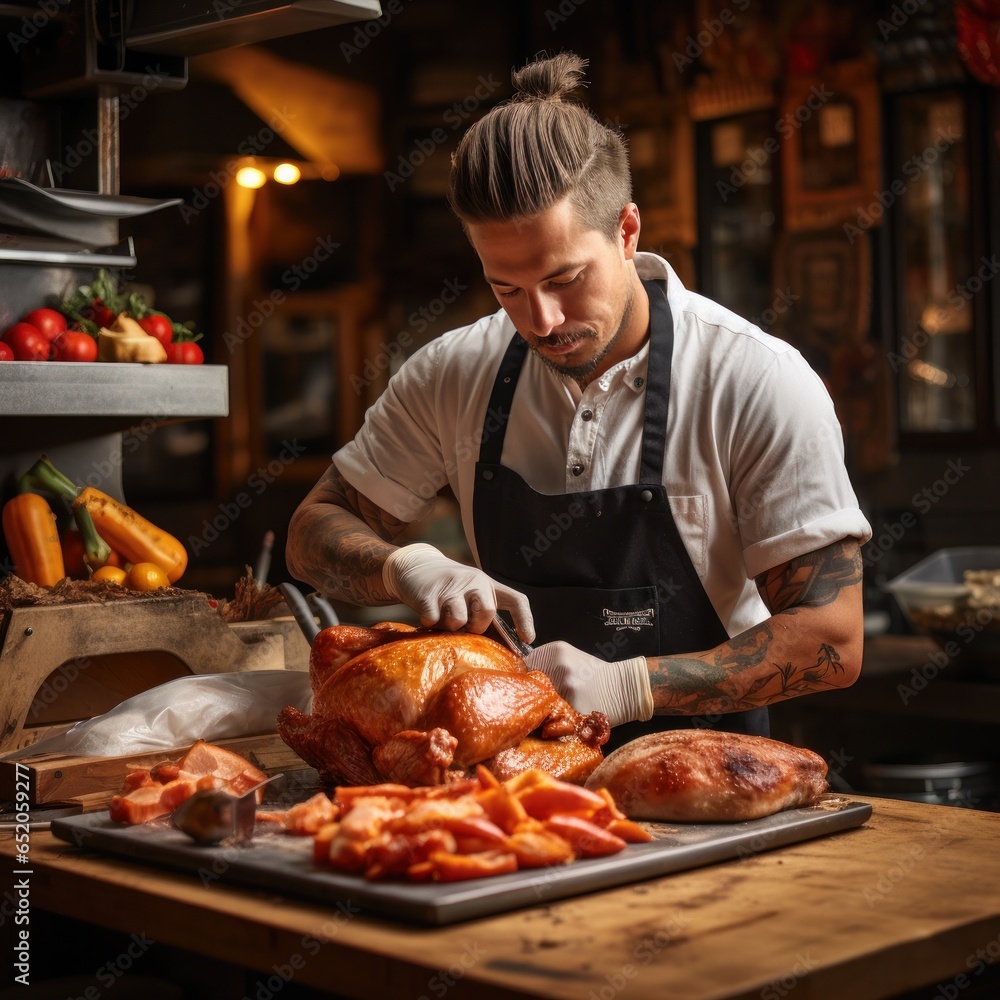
<point>651,480</point>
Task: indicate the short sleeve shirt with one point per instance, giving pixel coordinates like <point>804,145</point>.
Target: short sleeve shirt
<point>754,462</point>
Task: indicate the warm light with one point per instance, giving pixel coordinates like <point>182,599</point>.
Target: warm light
<point>287,173</point>
<point>924,371</point>
<point>250,177</point>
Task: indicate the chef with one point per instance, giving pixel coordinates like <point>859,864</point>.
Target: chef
<point>651,486</point>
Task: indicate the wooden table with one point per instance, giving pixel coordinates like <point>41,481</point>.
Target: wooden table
<point>910,898</point>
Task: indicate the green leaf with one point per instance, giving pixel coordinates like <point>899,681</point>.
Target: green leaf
<point>185,332</point>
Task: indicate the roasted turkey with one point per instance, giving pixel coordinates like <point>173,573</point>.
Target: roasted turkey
<point>417,707</point>
<point>705,776</point>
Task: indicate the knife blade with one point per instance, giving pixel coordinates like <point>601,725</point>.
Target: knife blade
<point>510,637</point>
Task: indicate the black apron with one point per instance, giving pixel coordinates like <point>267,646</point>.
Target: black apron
<point>605,570</point>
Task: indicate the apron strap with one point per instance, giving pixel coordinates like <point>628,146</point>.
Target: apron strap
<point>654,431</point>
<point>501,399</point>
<point>661,349</point>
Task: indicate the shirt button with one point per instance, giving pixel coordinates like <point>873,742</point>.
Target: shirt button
<point>638,381</point>
<point>646,496</point>
<point>587,415</point>
<point>577,470</point>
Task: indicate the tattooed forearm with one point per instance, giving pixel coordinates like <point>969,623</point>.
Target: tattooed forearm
<point>811,643</point>
<point>692,686</point>
<point>684,686</point>
<point>745,650</point>
<point>689,686</point>
<point>338,541</point>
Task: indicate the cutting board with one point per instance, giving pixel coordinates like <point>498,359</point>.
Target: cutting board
<point>278,862</point>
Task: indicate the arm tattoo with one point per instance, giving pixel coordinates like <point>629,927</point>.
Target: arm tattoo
<point>692,686</point>
<point>756,667</point>
<point>814,579</point>
<point>338,541</point>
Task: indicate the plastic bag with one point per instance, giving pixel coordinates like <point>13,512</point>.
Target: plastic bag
<point>180,712</point>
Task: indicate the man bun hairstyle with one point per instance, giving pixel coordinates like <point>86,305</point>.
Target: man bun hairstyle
<point>537,148</point>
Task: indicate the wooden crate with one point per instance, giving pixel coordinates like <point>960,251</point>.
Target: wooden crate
<point>65,662</point>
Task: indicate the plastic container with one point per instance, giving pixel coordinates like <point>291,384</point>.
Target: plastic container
<point>939,580</point>
<point>936,600</point>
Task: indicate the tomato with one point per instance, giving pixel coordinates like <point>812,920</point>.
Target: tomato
<point>146,576</point>
<point>6,354</point>
<point>159,326</point>
<point>97,312</point>
<point>187,352</point>
<point>74,346</point>
<point>28,343</point>
<point>47,321</point>
<point>71,542</point>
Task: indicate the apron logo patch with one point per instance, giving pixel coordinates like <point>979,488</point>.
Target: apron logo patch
<point>633,620</point>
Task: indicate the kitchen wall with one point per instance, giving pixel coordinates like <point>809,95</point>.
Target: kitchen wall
<point>724,107</point>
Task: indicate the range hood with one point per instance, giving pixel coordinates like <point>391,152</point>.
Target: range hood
<point>192,27</point>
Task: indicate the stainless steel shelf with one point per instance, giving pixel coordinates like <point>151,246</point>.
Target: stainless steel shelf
<point>85,217</point>
<point>73,389</point>
<point>40,250</point>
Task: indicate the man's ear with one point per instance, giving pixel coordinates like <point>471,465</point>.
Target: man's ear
<point>628,229</point>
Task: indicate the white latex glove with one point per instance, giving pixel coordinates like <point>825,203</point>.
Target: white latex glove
<point>620,690</point>
<point>449,594</point>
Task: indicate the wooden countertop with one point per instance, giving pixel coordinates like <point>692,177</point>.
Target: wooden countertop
<point>906,900</point>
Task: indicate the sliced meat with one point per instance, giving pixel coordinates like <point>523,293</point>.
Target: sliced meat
<point>139,806</point>
<point>237,773</point>
<point>304,819</point>
<point>149,793</point>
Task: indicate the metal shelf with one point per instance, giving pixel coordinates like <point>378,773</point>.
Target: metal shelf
<point>73,389</point>
<point>40,250</point>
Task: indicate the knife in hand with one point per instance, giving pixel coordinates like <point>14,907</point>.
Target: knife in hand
<point>510,637</point>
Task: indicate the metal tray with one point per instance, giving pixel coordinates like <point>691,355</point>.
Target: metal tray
<point>278,862</point>
<point>85,217</point>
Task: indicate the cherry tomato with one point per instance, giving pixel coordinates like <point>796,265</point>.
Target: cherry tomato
<point>28,343</point>
<point>74,346</point>
<point>159,326</point>
<point>6,354</point>
<point>146,576</point>
<point>113,574</point>
<point>97,312</point>
<point>187,352</point>
<point>47,321</point>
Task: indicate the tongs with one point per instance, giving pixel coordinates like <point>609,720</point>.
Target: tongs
<point>307,609</point>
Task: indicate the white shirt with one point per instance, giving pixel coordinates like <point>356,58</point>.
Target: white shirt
<point>754,463</point>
